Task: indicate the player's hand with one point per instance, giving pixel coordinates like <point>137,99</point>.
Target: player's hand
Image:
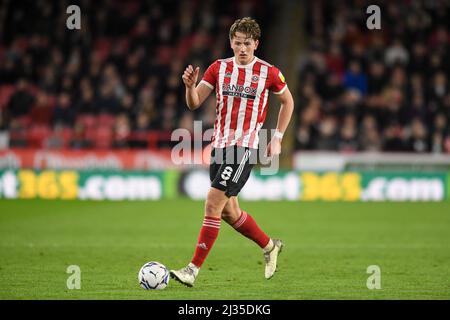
<point>190,76</point>
<point>274,147</point>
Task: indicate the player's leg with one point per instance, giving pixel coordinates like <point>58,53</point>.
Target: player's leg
<point>214,204</point>
<point>244,223</point>
<point>231,212</point>
<point>209,231</point>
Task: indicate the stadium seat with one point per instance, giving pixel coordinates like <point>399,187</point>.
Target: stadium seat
<point>87,120</point>
<point>106,120</point>
<point>104,138</point>
<point>37,136</point>
<point>18,137</point>
<point>67,135</point>
<point>24,121</point>
<point>103,47</point>
<point>100,137</point>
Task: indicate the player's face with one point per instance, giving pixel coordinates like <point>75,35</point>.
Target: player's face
<point>243,47</point>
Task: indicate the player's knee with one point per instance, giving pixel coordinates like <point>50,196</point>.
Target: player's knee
<point>226,215</point>
<point>212,209</point>
<point>215,202</point>
<point>229,218</point>
<point>231,214</point>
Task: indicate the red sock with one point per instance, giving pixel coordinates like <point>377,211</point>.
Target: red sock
<point>248,227</point>
<point>206,239</point>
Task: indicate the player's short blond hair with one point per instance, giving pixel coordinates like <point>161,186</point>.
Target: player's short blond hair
<point>247,26</point>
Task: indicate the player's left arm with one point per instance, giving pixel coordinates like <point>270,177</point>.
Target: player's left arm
<point>284,116</point>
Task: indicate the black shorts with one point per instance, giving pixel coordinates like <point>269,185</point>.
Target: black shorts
<point>230,168</point>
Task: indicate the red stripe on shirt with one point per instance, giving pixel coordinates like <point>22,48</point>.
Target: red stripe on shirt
<point>226,81</point>
<point>236,106</point>
<point>249,109</point>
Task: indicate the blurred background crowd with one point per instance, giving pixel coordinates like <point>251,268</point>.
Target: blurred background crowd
<point>369,90</point>
<point>116,83</point>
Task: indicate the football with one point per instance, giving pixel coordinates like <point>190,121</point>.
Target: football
<point>153,276</point>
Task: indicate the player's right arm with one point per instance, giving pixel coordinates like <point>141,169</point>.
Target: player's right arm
<point>195,95</point>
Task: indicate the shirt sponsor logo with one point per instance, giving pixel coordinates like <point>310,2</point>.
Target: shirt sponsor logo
<point>235,90</point>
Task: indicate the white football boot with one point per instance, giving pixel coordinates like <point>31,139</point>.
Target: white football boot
<point>185,275</point>
<point>271,258</point>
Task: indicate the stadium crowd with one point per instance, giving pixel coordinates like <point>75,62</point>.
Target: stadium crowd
<point>375,90</point>
<point>116,82</point>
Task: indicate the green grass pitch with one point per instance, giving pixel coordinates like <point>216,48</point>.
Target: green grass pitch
<point>328,248</point>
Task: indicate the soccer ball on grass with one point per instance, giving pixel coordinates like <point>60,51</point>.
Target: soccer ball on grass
<point>153,276</point>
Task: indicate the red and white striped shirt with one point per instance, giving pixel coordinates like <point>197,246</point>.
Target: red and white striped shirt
<point>242,94</point>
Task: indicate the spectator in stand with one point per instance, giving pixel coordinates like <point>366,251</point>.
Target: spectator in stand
<point>355,78</point>
<point>64,114</point>
<point>377,78</point>
<point>127,58</point>
<point>396,53</point>
<point>42,111</point>
<point>169,112</point>
<point>86,103</point>
<point>369,138</point>
<point>419,61</point>
<point>107,102</point>
<point>78,140</point>
<point>328,135</point>
<point>17,135</point>
<point>3,126</point>
<point>56,138</point>
<point>21,101</point>
<point>440,124</point>
<point>348,141</point>
<point>142,122</point>
<point>304,137</point>
<point>331,87</point>
<point>187,121</point>
<point>370,141</point>
<point>418,140</point>
<point>393,138</point>
<point>132,84</point>
<point>439,88</point>
<point>139,138</point>
<point>9,72</point>
<point>400,73</point>
<point>122,131</point>
<point>417,109</point>
<point>127,107</point>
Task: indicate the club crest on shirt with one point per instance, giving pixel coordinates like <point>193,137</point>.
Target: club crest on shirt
<point>255,78</point>
<point>227,74</point>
